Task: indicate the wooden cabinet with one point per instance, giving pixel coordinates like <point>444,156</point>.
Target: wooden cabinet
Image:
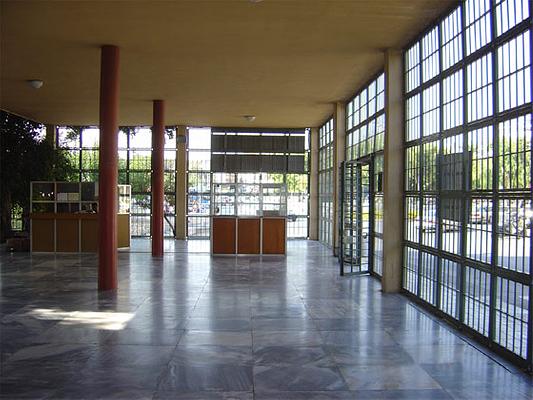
<point>274,235</point>
<point>72,232</point>
<point>248,235</point>
<point>223,238</point>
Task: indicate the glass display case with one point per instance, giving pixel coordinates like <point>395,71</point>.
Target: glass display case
<point>43,197</point>
<point>68,198</point>
<point>223,201</point>
<point>73,197</point>
<point>249,199</point>
<point>124,199</point>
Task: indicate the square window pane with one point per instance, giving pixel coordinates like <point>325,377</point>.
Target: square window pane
<point>141,138</point>
<point>90,138</point>
<point>141,204</point>
<point>199,138</point>
<point>140,181</point>
<point>68,137</point>
<point>140,160</point>
<point>199,160</point>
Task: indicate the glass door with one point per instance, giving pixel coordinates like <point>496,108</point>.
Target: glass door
<point>356,218</point>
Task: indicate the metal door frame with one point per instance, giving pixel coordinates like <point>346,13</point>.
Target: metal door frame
<point>366,161</point>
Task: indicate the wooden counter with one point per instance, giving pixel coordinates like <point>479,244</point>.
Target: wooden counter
<point>248,235</point>
<point>72,232</point>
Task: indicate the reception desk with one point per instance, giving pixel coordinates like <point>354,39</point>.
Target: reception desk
<point>248,235</point>
<point>72,232</point>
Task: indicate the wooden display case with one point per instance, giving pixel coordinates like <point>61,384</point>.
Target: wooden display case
<point>248,218</point>
<point>64,216</point>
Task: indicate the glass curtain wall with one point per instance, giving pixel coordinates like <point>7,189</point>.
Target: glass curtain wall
<point>325,183</point>
<point>200,177</point>
<point>297,203</point>
<point>365,138</point>
<point>198,183</point>
<point>297,183</point>
<point>134,168</point>
<point>468,205</point>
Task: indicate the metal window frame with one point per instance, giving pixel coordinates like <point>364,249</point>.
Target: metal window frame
<point>326,192</point>
<point>287,133</point>
<point>128,149</point>
<point>495,194</point>
<point>369,157</point>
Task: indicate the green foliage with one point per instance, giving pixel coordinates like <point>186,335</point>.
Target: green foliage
<point>296,183</point>
<point>132,130</point>
<point>430,153</point>
<point>515,162</point>
<point>140,181</point>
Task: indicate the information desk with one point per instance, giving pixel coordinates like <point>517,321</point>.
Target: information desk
<point>248,235</point>
<point>72,232</point>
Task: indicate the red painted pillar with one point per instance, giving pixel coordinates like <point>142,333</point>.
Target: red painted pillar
<point>158,193</point>
<point>108,169</point>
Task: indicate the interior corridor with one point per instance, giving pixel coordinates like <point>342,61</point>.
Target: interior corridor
<point>192,326</point>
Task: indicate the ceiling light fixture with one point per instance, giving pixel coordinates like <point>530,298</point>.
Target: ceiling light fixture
<point>35,83</point>
<point>249,118</point>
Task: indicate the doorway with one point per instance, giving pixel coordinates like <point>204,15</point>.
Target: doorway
<point>356,217</point>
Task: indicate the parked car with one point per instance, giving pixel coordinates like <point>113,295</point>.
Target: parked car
<point>524,219</point>
<point>430,224</point>
<point>515,222</point>
<point>480,214</point>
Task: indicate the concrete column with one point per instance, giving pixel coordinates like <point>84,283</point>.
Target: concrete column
<point>181,183</point>
<point>339,155</point>
<point>108,169</point>
<point>313,186</point>
<point>51,132</point>
<point>158,191</point>
<point>393,173</point>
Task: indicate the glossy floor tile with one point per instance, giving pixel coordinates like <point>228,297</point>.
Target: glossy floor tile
<point>192,326</point>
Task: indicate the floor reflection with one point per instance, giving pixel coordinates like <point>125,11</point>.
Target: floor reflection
<point>191,326</point>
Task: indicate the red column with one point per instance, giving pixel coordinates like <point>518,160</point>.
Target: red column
<point>158,194</point>
<point>108,172</point>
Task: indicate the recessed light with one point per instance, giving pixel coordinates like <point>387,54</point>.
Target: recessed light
<point>35,83</point>
<point>249,118</point>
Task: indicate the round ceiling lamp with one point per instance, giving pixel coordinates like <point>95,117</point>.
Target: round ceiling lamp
<point>35,83</point>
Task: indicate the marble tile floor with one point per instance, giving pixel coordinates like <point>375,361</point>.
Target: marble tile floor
<point>191,326</point>
<point>170,245</point>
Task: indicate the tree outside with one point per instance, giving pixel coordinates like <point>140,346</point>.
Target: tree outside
<point>26,157</point>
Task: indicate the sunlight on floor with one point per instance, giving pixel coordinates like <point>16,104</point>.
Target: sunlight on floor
<point>113,321</point>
